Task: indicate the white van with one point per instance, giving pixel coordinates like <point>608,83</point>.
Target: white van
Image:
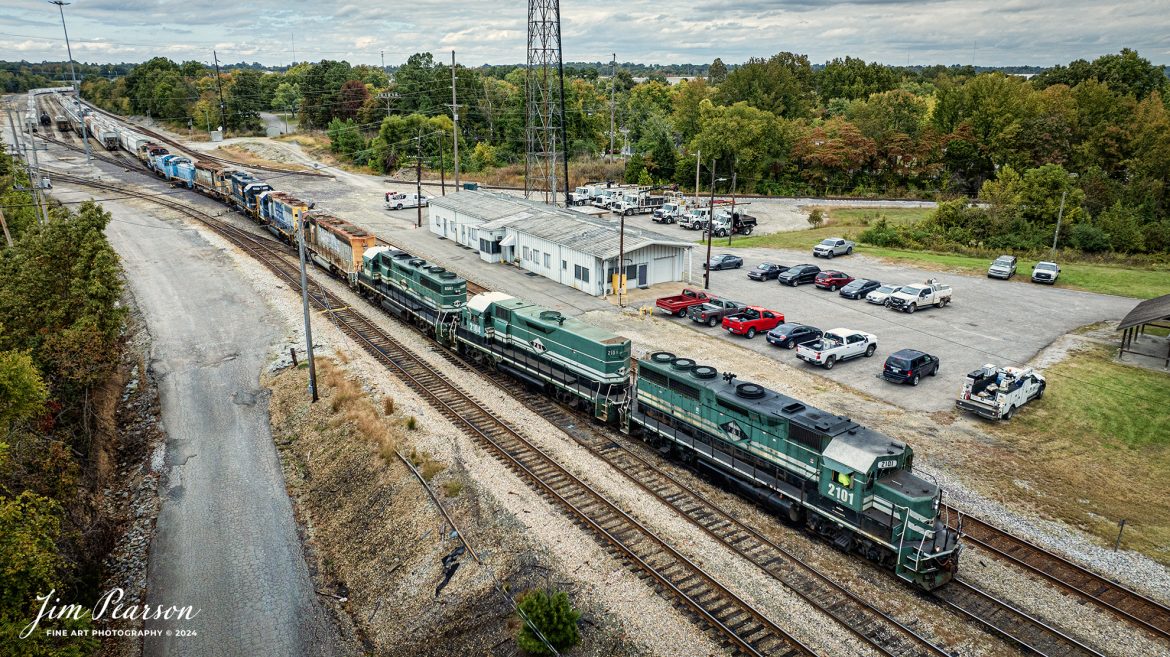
<point>399,201</point>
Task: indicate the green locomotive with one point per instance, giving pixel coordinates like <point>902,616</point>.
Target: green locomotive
<point>410,288</point>
<point>571,360</point>
<point>852,485</point>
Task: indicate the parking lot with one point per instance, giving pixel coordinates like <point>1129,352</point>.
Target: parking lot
<point>988,320</point>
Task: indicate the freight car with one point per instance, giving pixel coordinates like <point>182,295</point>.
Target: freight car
<point>336,245</point>
<point>61,123</point>
<point>849,484</point>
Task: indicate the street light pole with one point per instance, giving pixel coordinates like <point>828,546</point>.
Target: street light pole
<point>731,225</point>
<point>68,48</point>
<point>710,219</point>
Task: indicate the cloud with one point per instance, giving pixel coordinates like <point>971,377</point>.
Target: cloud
<point>987,32</point>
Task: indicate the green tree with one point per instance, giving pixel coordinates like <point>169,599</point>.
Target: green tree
<point>286,96</point>
<point>22,392</point>
<point>483,156</point>
<point>716,72</point>
<point>244,100</point>
<point>781,84</point>
<point>686,101</point>
<point>853,78</point>
<point>547,618</point>
<point>751,140</point>
<point>352,96</point>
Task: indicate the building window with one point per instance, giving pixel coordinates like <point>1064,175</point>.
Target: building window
<point>526,253</point>
<point>565,265</point>
<point>581,273</point>
<point>547,261</point>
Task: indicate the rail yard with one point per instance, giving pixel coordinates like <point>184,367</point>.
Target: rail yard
<point>791,498</point>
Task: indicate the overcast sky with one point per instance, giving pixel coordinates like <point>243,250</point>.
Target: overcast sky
<point>983,32</point>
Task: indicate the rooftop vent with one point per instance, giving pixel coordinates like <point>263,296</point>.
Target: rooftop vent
<point>682,363</point>
<point>551,316</point>
<point>750,390</point>
<point>704,372</point>
<point>793,407</point>
<point>661,357</point>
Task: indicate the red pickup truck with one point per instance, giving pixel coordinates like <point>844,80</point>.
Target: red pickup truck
<point>752,320</point>
<point>679,303</point>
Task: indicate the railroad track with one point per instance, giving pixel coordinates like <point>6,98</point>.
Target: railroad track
<point>884,633</point>
<point>199,155</point>
<point>743,628</point>
<point>879,630</point>
<point>1007,621</point>
<point>1127,604</point>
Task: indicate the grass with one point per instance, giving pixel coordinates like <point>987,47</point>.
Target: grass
<point>1094,449</point>
<point>850,222</point>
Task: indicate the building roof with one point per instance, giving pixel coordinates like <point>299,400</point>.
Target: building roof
<point>598,236</point>
<point>1150,310</point>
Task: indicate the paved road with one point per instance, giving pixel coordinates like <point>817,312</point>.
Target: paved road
<point>226,543</point>
<point>989,321</point>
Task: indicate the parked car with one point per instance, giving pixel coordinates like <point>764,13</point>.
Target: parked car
<point>832,280</point>
<point>799,274</point>
<point>724,261</point>
<point>713,312</point>
<point>837,345</point>
<point>399,201</point>
<point>765,271</point>
<point>833,246</point>
<point>752,320</point>
<point>996,392</point>
<point>858,288</point>
<point>1045,272</point>
<point>789,335</point>
<point>909,366</point>
<point>881,296</point>
<point>1004,267</point>
<point>678,304</point>
<point>912,297</point>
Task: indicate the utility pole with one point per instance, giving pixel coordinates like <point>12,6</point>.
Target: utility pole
<point>305,303</point>
<point>620,283</point>
<point>731,225</point>
<point>612,88</point>
<point>698,159</point>
<point>292,37</point>
<point>564,125</point>
<point>38,192</point>
<point>418,178</point>
<point>383,52</point>
<point>34,183</point>
<point>710,219</point>
<point>219,83</point>
<point>455,129</point>
<point>442,167</point>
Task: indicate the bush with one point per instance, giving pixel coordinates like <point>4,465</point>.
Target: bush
<point>1089,238</point>
<point>816,217</point>
<point>554,617</point>
<point>881,234</point>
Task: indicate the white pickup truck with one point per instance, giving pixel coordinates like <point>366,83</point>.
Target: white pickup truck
<point>837,345</point>
<point>996,392</point>
<point>912,297</point>
<point>833,246</point>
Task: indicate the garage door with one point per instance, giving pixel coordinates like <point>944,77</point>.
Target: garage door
<point>663,270</point>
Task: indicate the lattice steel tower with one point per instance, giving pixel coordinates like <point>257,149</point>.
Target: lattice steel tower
<point>544,89</point>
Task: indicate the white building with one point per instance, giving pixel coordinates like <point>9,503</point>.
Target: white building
<point>569,247</point>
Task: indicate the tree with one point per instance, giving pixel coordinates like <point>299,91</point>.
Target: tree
<point>740,136</point>
<point>852,78</point>
<point>685,103</point>
<point>717,72</point>
<point>550,618</point>
<point>245,100</point>
<point>286,96</point>
<point>321,88</point>
<point>816,217</point>
<point>832,154</point>
<point>781,84</point>
<point>22,392</point>
<point>1126,73</point>
<point>351,97</point>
